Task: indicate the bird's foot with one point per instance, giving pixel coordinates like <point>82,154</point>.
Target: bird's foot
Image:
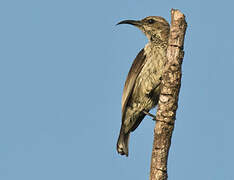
<point>149,114</point>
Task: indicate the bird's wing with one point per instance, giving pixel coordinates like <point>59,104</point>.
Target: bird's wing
<point>135,69</point>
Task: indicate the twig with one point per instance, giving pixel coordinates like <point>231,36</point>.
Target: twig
<point>168,100</point>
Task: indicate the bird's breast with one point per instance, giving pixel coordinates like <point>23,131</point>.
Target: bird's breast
<point>149,78</point>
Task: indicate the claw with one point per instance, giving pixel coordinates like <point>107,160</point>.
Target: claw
<point>149,114</point>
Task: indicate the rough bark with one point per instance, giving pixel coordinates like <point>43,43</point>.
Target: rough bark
<point>168,100</point>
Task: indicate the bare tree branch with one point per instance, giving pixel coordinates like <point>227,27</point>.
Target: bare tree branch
<point>168,100</point>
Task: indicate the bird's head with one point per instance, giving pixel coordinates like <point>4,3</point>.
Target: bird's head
<point>154,27</point>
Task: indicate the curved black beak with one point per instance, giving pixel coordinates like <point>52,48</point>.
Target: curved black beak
<point>132,22</point>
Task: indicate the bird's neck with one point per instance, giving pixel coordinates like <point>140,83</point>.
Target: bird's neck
<point>158,42</point>
<point>157,45</point>
<point>153,50</point>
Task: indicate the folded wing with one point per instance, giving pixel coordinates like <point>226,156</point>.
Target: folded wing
<point>135,69</point>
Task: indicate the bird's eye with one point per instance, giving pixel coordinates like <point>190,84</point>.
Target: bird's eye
<point>151,21</point>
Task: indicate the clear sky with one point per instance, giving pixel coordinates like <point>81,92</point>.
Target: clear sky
<point>62,69</point>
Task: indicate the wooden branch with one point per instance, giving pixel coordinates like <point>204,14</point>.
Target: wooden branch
<point>168,100</point>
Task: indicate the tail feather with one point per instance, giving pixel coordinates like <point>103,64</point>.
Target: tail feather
<point>122,144</point>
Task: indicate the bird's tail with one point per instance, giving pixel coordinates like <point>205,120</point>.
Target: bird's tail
<point>122,144</point>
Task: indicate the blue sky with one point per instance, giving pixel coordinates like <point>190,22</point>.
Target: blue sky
<point>62,69</point>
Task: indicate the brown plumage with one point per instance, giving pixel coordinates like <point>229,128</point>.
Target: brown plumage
<point>142,86</point>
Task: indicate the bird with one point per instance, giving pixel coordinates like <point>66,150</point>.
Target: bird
<point>143,83</point>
